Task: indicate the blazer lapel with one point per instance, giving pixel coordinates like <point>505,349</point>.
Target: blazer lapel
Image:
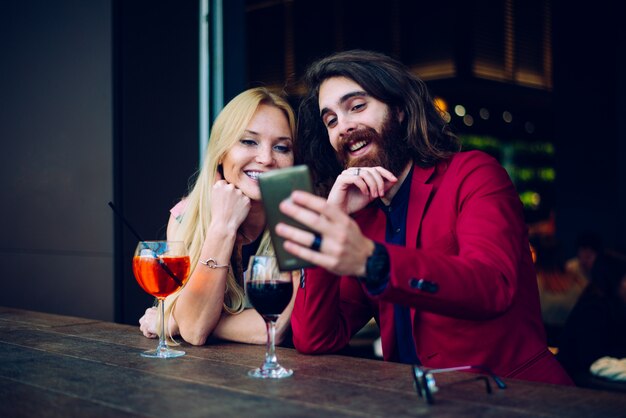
<point>420,194</point>
<point>372,222</point>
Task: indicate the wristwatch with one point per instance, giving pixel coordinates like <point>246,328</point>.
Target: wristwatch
<point>377,267</point>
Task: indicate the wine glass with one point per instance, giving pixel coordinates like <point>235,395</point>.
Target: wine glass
<point>269,290</point>
<point>161,268</point>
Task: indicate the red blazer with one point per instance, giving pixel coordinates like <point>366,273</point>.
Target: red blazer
<point>466,233</point>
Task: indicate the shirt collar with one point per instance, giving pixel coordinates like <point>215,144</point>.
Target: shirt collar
<point>402,196</point>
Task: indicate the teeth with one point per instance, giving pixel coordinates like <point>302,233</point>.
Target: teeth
<point>254,175</point>
<point>357,145</point>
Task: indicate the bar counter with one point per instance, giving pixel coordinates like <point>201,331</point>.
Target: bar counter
<point>61,366</point>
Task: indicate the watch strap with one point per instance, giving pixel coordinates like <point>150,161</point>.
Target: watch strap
<point>377,268</point>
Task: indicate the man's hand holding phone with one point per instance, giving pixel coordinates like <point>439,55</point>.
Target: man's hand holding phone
<point>276,186</point>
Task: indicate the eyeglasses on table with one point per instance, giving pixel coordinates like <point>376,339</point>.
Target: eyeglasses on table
<point>426,387</point>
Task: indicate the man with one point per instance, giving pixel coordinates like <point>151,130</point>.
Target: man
<point>428,240</point>
<point>588,248</point>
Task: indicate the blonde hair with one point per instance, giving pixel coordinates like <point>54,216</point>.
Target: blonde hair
<point>228,128</point>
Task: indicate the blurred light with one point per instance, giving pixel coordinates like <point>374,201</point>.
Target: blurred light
<point>525,173</point>
<point>533,253</point>
<point>535,199</point>
<point>530,199</point>
<point>459,110</point>
<point>446,116</point>
<point>530,127</point>
<point>481,141</point>
<point>441,105</point>
<point>547,174</point>
<point>468,120</point>
<point>484,113</point>
<point>507,116</point>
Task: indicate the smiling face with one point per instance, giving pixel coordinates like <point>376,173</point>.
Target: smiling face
<point>265,145</point>
<point>345,107</point>
<point>363,130</point>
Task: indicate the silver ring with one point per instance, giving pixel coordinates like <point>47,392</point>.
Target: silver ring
<point>358,170</point>
<point>317,242</point>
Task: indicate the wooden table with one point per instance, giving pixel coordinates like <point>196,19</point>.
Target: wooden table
<point>61,366</point>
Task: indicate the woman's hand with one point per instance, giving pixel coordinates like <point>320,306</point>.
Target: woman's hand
<point>229,206</point>
<point>148,323</point>
<point>356,187</point>
<point>344,249</point>
<point>200,302</point>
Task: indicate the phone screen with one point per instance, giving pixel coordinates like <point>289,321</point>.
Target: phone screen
<point>276,186</point>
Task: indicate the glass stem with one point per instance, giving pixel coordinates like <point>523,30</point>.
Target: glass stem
<point>162,344</point>
<point>270,353</point>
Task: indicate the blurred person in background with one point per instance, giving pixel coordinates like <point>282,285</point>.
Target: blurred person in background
<point>559,289</point>
<point>588,248</point>
<point>596,327</point>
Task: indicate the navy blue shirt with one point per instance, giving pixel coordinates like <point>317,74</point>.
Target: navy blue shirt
<point>395,233</point>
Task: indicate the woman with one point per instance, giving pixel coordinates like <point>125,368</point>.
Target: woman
<point>222,218</point>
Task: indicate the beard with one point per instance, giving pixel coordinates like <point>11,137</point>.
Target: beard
<point>390,151</point>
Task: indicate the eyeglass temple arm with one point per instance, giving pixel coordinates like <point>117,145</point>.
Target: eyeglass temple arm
<point>473,379</point>
<point>495,378</point>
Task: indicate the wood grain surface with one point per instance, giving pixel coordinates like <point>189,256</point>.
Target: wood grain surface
<point>60,366</point>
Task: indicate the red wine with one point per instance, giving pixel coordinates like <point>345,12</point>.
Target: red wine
<point>269,298</point>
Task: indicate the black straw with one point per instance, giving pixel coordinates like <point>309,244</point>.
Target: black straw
<point>118,213</point>
<point>161,262</point>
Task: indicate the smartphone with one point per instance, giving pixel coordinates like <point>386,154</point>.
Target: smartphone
<point>276,186</point>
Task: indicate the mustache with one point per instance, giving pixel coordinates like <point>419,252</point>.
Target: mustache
<point>368,135</point>
<point>363,134</point>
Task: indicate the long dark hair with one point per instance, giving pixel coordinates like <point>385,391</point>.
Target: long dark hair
<point>427,134</point>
